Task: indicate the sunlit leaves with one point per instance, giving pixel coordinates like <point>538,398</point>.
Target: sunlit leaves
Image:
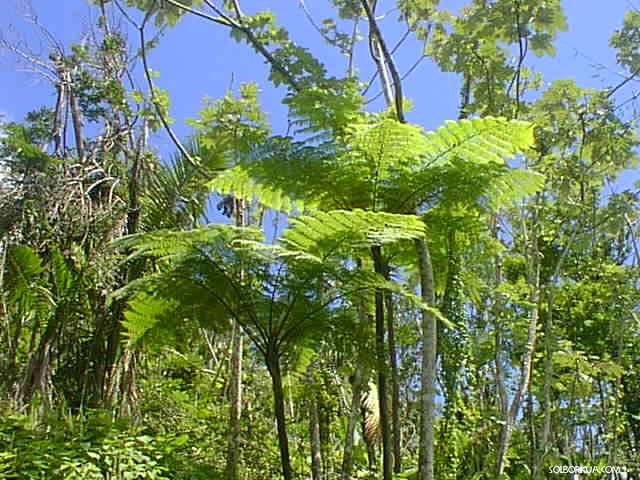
<point>324,233</point>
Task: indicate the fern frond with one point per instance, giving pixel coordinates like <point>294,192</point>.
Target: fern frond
<point>165,244</point>
<point>327,232</point>
<point>175,195</point>
<point>515,184</point>
<point>143,314</point>
<point>478,140</point>
<point>237,182</point>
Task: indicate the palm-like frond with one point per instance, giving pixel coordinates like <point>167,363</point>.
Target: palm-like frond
<point>26,289</point>
<point>175,195</point>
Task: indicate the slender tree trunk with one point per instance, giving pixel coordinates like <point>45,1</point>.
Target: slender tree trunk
<point>273,362</point>
<point>387,461</point>
<point>354,413</point>
<point>395,386</point>
<point>314,429</point>
<point>76,119</point>
<point>546,401</point>
<point>58,114</point>
<point>235,400</point>
<point>428,378</point>
<point>235,394</point>
<point>359,380</point>
<point>525,372</point>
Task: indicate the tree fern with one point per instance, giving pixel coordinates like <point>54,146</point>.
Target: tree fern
<point>325,232</point>
<point>238,182</point>
<point>513,185</point>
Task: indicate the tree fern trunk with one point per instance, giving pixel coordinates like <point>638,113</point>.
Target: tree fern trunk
<point>429,343</point>
<point>525,372</point>
<point>395,385</point>
<point>235,400</point>
<point>387,461</point>
<point>273,363</point>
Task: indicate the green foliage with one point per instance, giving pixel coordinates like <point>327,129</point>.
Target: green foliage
<point>21,148</point>
<point>625,41</point>
<point>232,126</point>
<point>79,448</point>
<point>325,233</point>
<point>237,182</point>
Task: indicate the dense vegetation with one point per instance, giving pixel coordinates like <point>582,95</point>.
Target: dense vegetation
<point>371,301</point>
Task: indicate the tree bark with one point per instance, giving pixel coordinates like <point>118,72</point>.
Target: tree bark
<point>314,429</point>
<point>525,372</point>
<point>395,386</point>
<point>387,461</point>
<point>235,400</point>
<point>273,363</point>
<point>354,412</point>
<point>76,120</point>
<point>56,133</point>
<point>429,345</point>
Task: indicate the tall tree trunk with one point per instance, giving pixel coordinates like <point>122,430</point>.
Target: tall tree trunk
<point>428,377</point>
<point>76,119</point>
<point>387,461</point>
<point>359,380</point>
<point>395,385</point>
<point>546,389</point>
<point>235,394</point>
<point>354,413</point>
<point>273,363</point>
<point>235,410</point>
<point>58,114</point>
<point>314,430</point>
<point>525,372</point>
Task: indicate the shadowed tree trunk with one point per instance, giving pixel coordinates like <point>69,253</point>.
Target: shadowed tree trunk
<point>354,413</point>
<point>273,364</point>
<point>387,462</point>
<point>314,429</point>
<point>395,385</point>
<point>525,372</point>
<point>235,394</point>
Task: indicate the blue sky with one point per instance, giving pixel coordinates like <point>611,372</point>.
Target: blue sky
<point>198,59</point>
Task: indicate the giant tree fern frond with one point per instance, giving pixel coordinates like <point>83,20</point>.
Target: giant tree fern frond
<point>515,184</point>
<point>165,244</point>
<point>324,233</point>
<point>478,140</point>
<point>238,182</point>
<point>143,315</point>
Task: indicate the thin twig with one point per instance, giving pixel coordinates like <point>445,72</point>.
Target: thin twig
<point>227,21</point>
<point>143,53</point>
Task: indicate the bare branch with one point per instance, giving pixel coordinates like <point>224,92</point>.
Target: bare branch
<point>152,92</point>
<point>231,23</point>
<point>388,58</point>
